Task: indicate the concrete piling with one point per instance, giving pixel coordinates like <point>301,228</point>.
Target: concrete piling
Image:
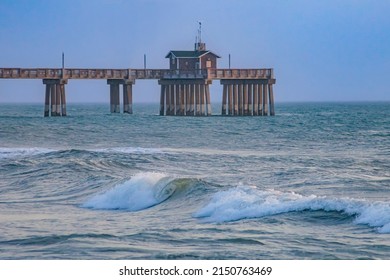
<point>127,86</point>
<point>265,100</point>
<point>47,101</point>
<point>208,101</point>
<point>260,95</point>
<point>224,99</point>
<point>63,101</point>
<point>189,96</point>
<point>235,97</point>
<point>230,99</point>
<point>55,101</point>
<point>185,97</point>
<point>248,97</point>
<point>255,100</point>
<point>271,100</point>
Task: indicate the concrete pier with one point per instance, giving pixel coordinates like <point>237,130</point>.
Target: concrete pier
<point>184,92</point>
<point>247,97</point>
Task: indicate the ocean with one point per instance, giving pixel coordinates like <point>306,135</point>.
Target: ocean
<point>312,182</point>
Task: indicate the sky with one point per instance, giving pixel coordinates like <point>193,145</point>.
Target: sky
<point>325,50</point>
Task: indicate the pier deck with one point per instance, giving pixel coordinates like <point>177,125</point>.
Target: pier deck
<point>133,74</point>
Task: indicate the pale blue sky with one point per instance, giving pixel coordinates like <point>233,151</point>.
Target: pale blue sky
<point>334,50</point>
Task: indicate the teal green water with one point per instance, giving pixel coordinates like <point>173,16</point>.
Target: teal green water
<point>313,182</point>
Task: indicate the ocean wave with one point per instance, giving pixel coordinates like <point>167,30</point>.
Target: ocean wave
<point>26,152</point>
<point>246,202</point>
<point>22,152</point>
<point>128,150</point>
<point>142,191</point>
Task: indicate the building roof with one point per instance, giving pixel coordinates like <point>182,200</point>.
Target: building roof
<point>189,54</point>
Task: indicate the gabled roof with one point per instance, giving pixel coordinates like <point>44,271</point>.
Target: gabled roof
<point>189,54</point>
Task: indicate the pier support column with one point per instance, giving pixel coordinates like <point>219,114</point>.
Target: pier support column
<point>128,97</point>
<point>116,88</point>
<point>182,95</point>
<point>58,99</point>
<point>115,95</point>
<point>230,97</point>
<point>188,100</point>
<point>240,99</point>
<point>235,97</point>
<point>261,103</point>
<point>208,101</point>
<point>265,100</point>
<point>202,100</point>
<point>245,98</point>
<point>167,99</point>
<point>271,100</point>
<point>55,101</point>
<point>224,99</point>
<point>185,97</point>
<point>255,100</point>
<point>47,101</point>
<point>162,100</point>
<point>172,100</point>
<point>192,100</point>
<point>248,97</point>
<point>197,100</point>
<point>63,100</point>
<point>177,100</point>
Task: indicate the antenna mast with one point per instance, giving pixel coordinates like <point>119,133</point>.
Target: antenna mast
<point>199,46</point>
<point>200,32</point>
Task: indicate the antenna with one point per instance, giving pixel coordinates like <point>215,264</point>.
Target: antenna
<point>199,46</point>
<point>200,32</point>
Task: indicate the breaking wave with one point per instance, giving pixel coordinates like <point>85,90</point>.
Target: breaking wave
<point>22,152</point>
<point>142,191</point>
<point>245,202</point>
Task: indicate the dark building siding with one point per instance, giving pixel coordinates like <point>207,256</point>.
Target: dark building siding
<point>173,63</point>
<point>208,57</point>
<point>208,60</point>
<point>188,63</point>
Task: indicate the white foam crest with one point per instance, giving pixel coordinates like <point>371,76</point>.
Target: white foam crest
<point>140,192</point>
<point>129,150</point>
<point>22,152</point>
<point>245,202</point>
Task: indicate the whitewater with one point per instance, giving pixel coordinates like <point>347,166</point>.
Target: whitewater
<point>313,182</point>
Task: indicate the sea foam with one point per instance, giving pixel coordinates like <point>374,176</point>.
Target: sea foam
<point>22,152</point>
<point>129,150</point>
<point>140,192</point>
<point>245,202</point>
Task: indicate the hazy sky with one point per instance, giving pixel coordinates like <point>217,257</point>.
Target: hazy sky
<point>331,50</point>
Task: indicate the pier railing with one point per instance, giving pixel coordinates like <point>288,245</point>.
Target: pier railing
<point>132,74</point>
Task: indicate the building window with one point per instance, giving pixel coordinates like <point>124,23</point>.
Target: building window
<point>173,60</point>
<point>208,63</point>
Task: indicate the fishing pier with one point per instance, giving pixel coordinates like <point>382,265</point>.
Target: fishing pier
<point>184,86</point>
<point>246,92</point>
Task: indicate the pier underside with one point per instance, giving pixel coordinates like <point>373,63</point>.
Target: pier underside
<point>248,97</point>
<point>185,97</point>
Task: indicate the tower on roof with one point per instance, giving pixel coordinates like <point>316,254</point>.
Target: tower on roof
<point>199,46</point>
<point>200,58</point>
